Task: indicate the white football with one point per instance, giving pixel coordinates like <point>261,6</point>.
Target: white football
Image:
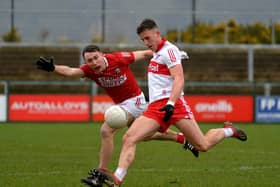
<point>116,117</point>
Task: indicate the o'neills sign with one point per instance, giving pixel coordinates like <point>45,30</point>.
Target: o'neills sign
<point>222,108</point>
<point>49,108</point>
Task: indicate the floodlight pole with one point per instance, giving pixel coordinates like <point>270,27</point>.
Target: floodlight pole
<point>103,21</point>
<point>193,20</point>
<point>12,15</point>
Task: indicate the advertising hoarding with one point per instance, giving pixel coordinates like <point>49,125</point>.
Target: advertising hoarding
<point>100,103</point>
<point>3,108</point>
<point>205,108</point>
<point>221,108</point>
<point>267,109</point>
<point>48,107</point>
<point>75,108</point>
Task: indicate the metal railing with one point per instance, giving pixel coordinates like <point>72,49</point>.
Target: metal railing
<point>94,89</point>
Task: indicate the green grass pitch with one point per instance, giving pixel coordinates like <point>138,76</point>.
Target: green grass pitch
<point>60,154</point>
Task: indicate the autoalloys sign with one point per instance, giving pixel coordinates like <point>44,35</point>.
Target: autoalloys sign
<point>267,109</point>
<point>49,108</point>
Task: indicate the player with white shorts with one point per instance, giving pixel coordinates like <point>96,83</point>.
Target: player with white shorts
<point>135,106</point>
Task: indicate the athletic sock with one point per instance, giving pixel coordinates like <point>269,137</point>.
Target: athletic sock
<point>228,132</point>
<point>120,173</point>
<point>180,138</point>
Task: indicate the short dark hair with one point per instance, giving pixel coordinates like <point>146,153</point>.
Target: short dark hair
<point>90,48</point>
<point>146,24</point>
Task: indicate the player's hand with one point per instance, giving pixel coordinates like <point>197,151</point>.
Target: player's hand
<point>45,64</point>
<point>169,110</point>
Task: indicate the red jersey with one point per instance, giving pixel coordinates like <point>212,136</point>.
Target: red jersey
<point>117,79</point>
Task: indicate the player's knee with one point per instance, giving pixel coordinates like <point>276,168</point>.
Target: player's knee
<point>128,139</point>
<point>202,147</point>
<point>106,132</point>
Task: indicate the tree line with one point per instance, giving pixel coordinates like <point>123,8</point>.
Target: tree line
<point>230,32</point>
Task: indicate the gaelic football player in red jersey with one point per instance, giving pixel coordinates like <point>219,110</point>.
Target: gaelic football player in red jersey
<point>112,73</point>
<point>167,106</point>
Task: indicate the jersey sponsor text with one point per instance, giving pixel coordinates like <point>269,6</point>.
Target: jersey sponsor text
<point>112,81</point>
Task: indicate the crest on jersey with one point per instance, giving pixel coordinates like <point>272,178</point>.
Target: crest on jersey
<point>117,70</point>
<point>156,56</point>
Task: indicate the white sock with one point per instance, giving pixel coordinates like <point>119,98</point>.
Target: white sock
<point>120,173</point>
<point>228,132</point>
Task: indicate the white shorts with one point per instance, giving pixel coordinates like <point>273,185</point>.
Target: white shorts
<point>135,105</point>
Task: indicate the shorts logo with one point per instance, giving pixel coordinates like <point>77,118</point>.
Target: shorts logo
<point>138,101</point>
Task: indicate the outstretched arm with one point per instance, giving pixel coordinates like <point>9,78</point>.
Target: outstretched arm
<point>147,54</point>
<point>48,65</point>
<point>68,71</point>
<point>144,54</point>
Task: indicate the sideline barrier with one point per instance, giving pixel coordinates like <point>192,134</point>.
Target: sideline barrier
<point>76,108</point>
<point>3,108</point>
<point>205,108</point>
<point>222,108</point>
<point>69,108</point>
<point>251,107</point>
<point>267,109</point>
<point>100,103</point>
<point>57,107</point>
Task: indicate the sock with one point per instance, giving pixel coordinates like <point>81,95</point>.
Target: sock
<point>180,138</point>
<point>228,132</point>
<point>120,173</point>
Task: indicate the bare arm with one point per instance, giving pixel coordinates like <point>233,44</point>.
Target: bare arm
<point>68,71</point>
<point>178,83</point>
<point>47,64</point>
<point>177,87</point>
<point>144,54</point>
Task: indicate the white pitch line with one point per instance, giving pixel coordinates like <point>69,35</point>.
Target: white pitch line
<point>149,170</point>
<point>170,170</point>
<point>38,173</point>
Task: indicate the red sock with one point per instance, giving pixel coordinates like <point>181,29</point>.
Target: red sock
<point>180,138</point>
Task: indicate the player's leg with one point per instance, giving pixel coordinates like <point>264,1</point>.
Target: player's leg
<point>107,142</point>
<point>141,128</point>
<point>202,142</point>
<point>169,135</point>
<point>192,132</point>
<point>107,145</point>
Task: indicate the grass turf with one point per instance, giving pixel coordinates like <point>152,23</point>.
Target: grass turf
<point>58,155</point>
